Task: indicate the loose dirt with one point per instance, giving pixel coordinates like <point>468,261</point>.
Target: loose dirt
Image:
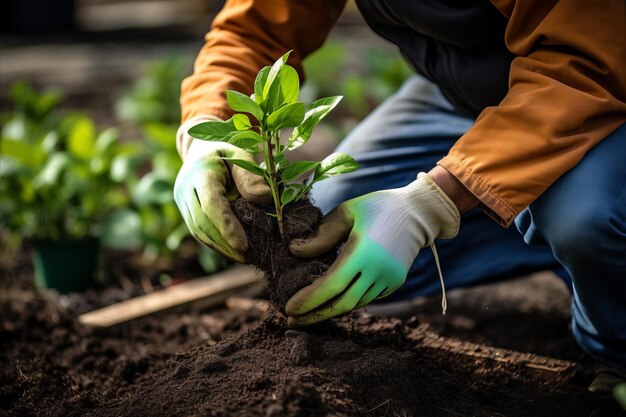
<point>237,364</point>
<point>285,274</point>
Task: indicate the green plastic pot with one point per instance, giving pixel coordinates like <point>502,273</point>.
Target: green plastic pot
<point>65,265</point>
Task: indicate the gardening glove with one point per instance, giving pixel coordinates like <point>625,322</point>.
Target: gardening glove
<point>204,186</point>
<point>385,230</point>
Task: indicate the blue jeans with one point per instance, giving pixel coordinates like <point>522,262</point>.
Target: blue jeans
<point>579,223</point>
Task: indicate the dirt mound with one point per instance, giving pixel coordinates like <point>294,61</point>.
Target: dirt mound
<point>351,367</point>
<point>233,363</point>
<point>212,365</point>
<point>51,365</point>
<point>285,273</point>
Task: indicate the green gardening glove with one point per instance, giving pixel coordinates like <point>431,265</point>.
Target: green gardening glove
<point>385,230</point>
<point>204,186</point>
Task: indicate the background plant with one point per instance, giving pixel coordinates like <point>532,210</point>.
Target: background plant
<point>274,106</point>
<point>151,105</point>
<point>364,83</point>
<point>155,96</point>
<point>55,180</point>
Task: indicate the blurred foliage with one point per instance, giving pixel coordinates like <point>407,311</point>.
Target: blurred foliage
<point>150,172</point>
<point>61,179</point>
<point>55,180</point>
<point>364,85</point>
<point>154,97</point>
<point>152,102</point>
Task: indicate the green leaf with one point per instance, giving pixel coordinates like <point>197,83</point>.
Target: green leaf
<point>246,139</point>
<point>122,230</point>
<point>50,142</point>
<point>153,189</point>
<point>106,141</point>
<point>210,260</point>
<point>284,90</point>
<point>247,165</point>
<point>295,170</point>
<point>214,130</point>
<point>274,99</point>
<point>47,101</point>
<point>167,165</point>
<point>273,73</point>
<point>81,138</point>
<point>160,134</point>
<point>241,122</point>
<point>26,154</point>
<point>259,85</point>
<point>126,162</point>
<point>290,115</point>
<point>289,84</point>
<point>327,101</point>
<point>289,194</point>
<point>174,239</point>
<point>335,164</point>
<point>242,103</point>
<point>123,166</point>
<point>50,175</point>
<point>317,111</point>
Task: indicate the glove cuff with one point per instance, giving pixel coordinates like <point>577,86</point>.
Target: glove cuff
<point>437,212</point>
<point>183,140</point>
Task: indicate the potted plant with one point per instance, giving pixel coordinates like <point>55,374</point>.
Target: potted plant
<point>56,187</point>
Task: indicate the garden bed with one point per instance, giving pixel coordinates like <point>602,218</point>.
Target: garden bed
<point>230,362</point>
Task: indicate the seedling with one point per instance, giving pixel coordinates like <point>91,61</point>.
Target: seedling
<point>275,106</point>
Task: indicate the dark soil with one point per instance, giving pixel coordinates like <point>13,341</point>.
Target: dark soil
<point>51,365</point>
<point>224,364</point>
<point>285,274</point>
<point>354,367</point>
<point>238,363</point>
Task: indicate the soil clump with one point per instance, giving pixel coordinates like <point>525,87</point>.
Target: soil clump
<point>285,274</point>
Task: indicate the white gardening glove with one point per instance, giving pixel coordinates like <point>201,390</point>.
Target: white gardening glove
<point>204,186</point>
<point>385,231</point>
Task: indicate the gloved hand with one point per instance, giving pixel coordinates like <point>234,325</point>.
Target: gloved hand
<point>204,186</point>
<point>385,230</point>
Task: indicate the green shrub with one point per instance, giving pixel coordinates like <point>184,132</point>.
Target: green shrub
<point>155,96</point>
<point>364,84</point>
<point>152,103</point>
<point>55,170</point>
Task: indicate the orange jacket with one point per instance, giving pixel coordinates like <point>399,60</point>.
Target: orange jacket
<point>567,85</point>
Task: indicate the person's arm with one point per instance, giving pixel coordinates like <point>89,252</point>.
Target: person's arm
<point>462,198</point>
<point>567,91</point>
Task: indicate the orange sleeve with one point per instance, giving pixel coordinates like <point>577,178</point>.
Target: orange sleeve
<point>567,92</point>
<point>247,35</point>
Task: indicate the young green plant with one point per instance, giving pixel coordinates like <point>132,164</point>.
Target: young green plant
<point>275,106</point>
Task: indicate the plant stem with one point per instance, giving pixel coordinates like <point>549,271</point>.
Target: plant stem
<point>271,167</point>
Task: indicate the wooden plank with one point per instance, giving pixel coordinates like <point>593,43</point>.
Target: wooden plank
<point>208,291</point>
<point>544,367</point>
<point>247,304</point>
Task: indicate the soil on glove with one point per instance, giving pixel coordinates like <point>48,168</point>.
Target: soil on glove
<point>285,273</point>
